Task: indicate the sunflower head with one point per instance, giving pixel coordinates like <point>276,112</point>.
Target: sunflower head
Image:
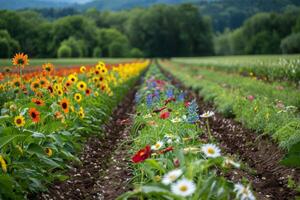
<point>49,152</point>
<point>35,85</point>
<point>78,97</point>
<point>48,67</point>
<point>19,121</point>
<point>34,115</point>
<point>38,102</point>
<point>81,85</point>
<point>73,78</point>
<point>20,59</point>
<point>82,69</point>
<point>64,104</point>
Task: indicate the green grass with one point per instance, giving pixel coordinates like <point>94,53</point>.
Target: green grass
<point>66,61</point>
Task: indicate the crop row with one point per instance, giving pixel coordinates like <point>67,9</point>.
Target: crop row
<point>262,107</point>
<point>45,119</point>
<point>269,68</point>
<point>173,157</point>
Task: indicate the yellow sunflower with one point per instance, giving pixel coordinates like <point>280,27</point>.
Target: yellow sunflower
<point>19,121</point>
<point>73,78</point>
<point>81,85</point>
<point>82,69</point>
<point>3,164</point>
<point>78,97</point>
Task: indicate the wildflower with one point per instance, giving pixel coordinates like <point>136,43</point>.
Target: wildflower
<point>147,116</point>
<point>3,164</point>
<point>166,150</point>
<point>243,193</point>
<point>20,59</point>
<point>64,103</point>
<point>211,150</point>
<point>16,82</point>
<point>81,85</point>
<point>169,100</point>
<point>81,113</point>
<point>49,152</point>
<point>77,97</point>
<point>176,162</point>
<point>157,146</point>
<point>250,98</point>
<point>183,187</point>
<point>38,102</point>
<point>207,114</point>
<point>88,92</point>
<point>35,85</point>
<point>171,176</point>
<point>192,112</point>
<point>159,109</point>
<point>164,115</point>
<point>96,94</point>
<point>142,154</point>
<point>19,121</point>
<point>34,114</point>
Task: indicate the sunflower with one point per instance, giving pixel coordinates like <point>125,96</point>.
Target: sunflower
<point>100,65</point>
<point>16,82</point>
<point>20,59</point>
<point>43,82</point>
<point>49,152</point>
<point>68,83</point>
<point>38,102</point>
<point>34,114</point>
<point>19,121</point>
<point>64,103</point>
<point>48,67</point>
<point>78,97</point>
<point>81,85</point>
<point>82,69</point>
<point>88,91</point>
<point>73,78</point>
<point>35,85</point>
<point>81,113</point>
<point>60,92</point>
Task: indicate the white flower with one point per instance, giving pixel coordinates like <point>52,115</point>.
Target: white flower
<point>171,176</point>
<point>243,193</point>
<point>157,146</point>
<point>183,187</point>
<point>207,114</point>
<point>147,116</point>
<point>211,150</point>
<point>176,120</point>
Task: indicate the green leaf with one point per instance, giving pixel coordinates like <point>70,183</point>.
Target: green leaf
<point>7,139</point>
<point>35,149</point>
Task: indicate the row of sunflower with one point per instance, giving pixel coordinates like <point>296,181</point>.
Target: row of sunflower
<point>175,158</point>
<point>46,116</point>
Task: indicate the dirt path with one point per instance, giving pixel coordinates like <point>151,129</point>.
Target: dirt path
<point>105,172</point>
<point>268,178</point>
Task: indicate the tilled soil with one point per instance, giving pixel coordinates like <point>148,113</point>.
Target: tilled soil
<point>105,172</point>
<point>268,178</point>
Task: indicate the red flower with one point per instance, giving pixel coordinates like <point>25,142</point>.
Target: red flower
<point>164,115</point>
<point>186,104</point>
<point>169,100</point>
<point>142,155</point>
<point>159,109</point>
<point>251,97</point>
<point>166,150</point>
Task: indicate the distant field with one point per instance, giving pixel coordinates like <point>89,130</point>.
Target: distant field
<point>66,61</point>
<point>267,60</point>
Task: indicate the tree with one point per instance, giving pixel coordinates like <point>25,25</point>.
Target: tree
<point>97,52</point>
<point>136,53</point>
<point>64,51</point>
<point>291,44</point>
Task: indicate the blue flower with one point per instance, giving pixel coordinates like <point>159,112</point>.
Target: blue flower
<point>193,112</point>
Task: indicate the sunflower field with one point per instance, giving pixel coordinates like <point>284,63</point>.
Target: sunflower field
<point>46,115</point>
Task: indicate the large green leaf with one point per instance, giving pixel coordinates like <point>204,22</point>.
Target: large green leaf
<point>292,159</point>
<point>7,139</point>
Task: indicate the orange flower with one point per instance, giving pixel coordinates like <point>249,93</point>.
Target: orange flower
<point>20,59</point>
<point>88,92</point>
<point>38,102</point>
<point>64,103</point>
<point>68,83</point>
<point>34,114</point>
<point>48,67</point>
<point>43,82</point>
<point>16,82</point>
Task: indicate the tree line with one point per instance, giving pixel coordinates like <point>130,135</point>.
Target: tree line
<point>158,31</point>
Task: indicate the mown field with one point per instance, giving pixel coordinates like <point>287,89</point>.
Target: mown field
<point>181,128</point>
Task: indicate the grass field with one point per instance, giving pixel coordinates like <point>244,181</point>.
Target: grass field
<point>65,61</point>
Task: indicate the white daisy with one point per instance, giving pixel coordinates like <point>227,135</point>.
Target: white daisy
<point>157,146</point>
<point>243,193</point>
<point>183,187</point>
<point>176,120</point>
<point>171,176</point>
<point>207,114</point>
<point>211,150</point>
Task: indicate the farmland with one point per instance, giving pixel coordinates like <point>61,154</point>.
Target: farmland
<point>183,124</point>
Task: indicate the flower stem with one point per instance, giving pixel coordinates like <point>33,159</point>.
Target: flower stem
<point>208,130</point>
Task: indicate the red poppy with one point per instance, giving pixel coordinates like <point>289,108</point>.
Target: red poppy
<point>164,115</point>
<point>142,155</point>
<point>169,100</point>
<point>166,150</point>
<point>159,109</point>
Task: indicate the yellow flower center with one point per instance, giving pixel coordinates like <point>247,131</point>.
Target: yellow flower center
<point>210,150</point>
<point>183,188</point>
